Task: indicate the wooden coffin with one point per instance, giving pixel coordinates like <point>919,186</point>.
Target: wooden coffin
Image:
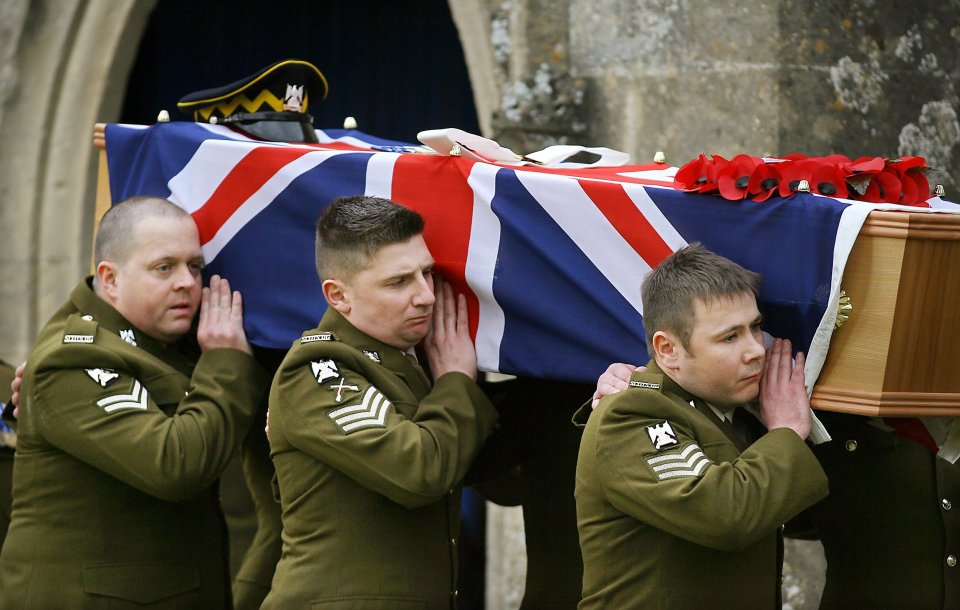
<point>898,353</point>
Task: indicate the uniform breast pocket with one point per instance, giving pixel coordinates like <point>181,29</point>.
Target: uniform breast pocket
<point>167,584</point>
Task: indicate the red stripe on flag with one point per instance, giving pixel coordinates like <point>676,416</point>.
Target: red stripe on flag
<point>245,179</point>
<point>439,191</point>
<point>614,203</point>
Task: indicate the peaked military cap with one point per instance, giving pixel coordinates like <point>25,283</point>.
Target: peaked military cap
<point>271,104</point>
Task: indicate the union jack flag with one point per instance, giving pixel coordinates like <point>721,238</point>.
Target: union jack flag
<point>551,259</point>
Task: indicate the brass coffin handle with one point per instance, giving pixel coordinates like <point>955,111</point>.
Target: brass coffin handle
<point>843,310</point>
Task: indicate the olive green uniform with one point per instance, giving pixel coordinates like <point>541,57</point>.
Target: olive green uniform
<point>891,523</point>
<point>675,511</point>
<point>8,442</point>
<point>369,462</point>
<point>120,443</point>
<point>252,582</point>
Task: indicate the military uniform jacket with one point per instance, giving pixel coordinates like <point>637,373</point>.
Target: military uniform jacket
<point>674,511</point>
<point>119,449</point>
<point>890,527</point>
<point>369,460</point>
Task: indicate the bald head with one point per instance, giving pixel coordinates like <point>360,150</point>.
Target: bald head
<point>117,233</point>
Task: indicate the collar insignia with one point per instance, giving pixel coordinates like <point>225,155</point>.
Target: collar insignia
<point>128,336</point>
<point>103,376</point>
<point>375,356</point>
<point>324,369</point>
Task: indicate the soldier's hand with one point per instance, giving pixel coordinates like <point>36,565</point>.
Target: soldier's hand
<point>783,398</point>
<point>615,379</point>
<point>15,385</point>
<point>221,318</point>
<point>448,345</point>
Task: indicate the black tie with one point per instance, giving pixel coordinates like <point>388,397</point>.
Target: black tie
<point>745,424</point>
<point>416,366</point>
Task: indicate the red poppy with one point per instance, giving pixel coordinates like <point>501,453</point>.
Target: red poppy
<point>829,180</point>
<point>699,175</point>
<point>884,187</point>
<point>869,165</point>
<point>906,164</point>
<point>734,178</point>
<point>841,162</point>
<point>919,180</point>
<point>792,172</point>
<point>764,181</point>
<point>913,180</point>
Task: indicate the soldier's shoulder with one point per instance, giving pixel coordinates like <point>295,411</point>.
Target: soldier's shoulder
<point>646,391</point>
<point>317,344</point>
<point>76,340</point>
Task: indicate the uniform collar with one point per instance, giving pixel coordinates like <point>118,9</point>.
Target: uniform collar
<point>87,303</point>
<point>393,358</point>
<point>723,420</point>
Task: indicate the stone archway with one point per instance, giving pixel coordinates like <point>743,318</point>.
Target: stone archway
<point>64,68</point>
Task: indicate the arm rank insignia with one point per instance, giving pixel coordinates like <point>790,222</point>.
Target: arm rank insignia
<point>688,462</point>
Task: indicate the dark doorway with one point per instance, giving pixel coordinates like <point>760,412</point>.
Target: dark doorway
<point>397,67</point>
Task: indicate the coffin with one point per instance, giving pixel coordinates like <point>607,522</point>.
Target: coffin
<point>898,353</point>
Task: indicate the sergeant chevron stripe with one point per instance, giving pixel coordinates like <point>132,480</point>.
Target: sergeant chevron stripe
<point>136,399</point>
<point>371,412</point>
<point>689,462</point>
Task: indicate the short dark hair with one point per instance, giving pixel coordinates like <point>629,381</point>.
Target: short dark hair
<point>690,274</point>
<point>352,229</point>
<point>116,234</point>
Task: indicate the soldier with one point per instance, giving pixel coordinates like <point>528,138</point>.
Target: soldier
<point>675,510</point>
<point>888,527</point>
<point>369,453</point>
<point>272,104</point>
<point>123,430</point>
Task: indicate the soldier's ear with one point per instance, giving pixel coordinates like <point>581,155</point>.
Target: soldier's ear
<point>106,285</point>
<point>337,295</point>
<point>667,349</point>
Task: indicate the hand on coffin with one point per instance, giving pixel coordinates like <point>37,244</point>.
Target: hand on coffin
<point>221,318</point>
<point>783,398</point>
<point>448,345</point>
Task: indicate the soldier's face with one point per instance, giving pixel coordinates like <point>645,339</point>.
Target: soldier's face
<point>158,287</point>
<point>724,359</point>
<point>392,299</point>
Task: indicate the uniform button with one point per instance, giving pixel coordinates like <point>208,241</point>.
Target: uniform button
<point>453,542</point>
<point>946,504</point>
<point>851,445</point>
<point>951,560</point>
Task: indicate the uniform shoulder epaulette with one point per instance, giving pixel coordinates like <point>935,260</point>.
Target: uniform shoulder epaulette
<point>79,329</point>
<point>311,337</point>
<point>646,381</point>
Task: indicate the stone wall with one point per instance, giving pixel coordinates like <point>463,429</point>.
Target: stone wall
<point>64,67</point>
<point>858,77</point>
